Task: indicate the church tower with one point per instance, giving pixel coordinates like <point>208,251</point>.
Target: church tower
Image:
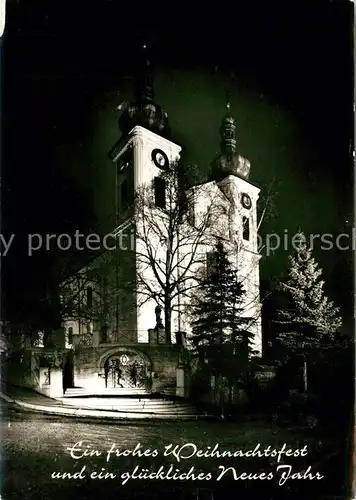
<point>228,203</point>
<point>139,157</point>
<point>231,173</point>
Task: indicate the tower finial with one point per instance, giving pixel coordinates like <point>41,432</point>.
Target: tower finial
<point>144,78</point>
<point>143,111</point>
<point>229,162</point>
<point>228,101</point>
<point>227,131</point>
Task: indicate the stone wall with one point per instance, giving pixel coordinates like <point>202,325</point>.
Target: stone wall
<point>52,385</point>
<point>17,369</point>
<point>162,361</point>
<point>24,369</point>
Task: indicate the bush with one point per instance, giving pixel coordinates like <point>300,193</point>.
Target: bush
<point>298,407</point>
<point>200,385</point>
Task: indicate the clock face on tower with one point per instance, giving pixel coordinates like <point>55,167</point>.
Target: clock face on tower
<point>160,159</point>
<point>246,201</point>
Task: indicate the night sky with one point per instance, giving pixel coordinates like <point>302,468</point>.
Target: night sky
<point>67,66</point>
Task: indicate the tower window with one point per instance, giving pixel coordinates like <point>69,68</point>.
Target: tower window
<point>210,262</point>
<point>89,297</point>
<point>246,228</point>
<point>70,335</point>
<point>124,195</point>
<point>160,192</point>
<point>104,334</point>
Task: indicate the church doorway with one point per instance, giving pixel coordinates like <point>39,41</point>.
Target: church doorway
<point>127,371</point>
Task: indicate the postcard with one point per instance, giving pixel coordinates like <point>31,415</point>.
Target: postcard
<point>177,241</point>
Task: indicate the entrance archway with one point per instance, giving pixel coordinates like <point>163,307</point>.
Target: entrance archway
<point>128,370</point>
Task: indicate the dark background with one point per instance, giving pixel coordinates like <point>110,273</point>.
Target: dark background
<point>60,58</point>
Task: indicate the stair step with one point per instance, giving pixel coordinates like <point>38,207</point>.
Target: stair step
<point>121,400</point>
<point>87,392</point>
<point>169,408</point>
<point>128,404</point>
<point>105,391</point>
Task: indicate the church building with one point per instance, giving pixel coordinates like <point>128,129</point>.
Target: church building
<point>116,322</point>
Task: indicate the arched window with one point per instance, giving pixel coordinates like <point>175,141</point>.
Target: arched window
<point>70,335</point>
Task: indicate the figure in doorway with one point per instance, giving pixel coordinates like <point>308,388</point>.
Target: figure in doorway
<point>150,376</point>
<point>119,374</point>
<point>134,375</point>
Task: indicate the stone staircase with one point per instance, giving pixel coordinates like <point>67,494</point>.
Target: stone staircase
<point>133,401</point>
<point>76,392</point>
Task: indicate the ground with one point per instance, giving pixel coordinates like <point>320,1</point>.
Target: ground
<point>36,445</point>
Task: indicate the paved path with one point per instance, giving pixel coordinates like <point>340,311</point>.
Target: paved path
<point>34,445</point>
<point>31,400</point>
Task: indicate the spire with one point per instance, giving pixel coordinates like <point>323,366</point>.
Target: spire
<point>227,133</point>
<point>144,77</point>
<point>143,111</point>
<point>229,162</point>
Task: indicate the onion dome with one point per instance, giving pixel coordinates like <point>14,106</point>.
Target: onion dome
<point>229,162</point>
<point>143,111</point>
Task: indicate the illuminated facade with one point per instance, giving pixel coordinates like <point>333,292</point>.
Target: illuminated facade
<point>114,325</point>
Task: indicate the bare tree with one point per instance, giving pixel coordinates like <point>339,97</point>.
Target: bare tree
<point>177,222</point>
<point>172,234</point>
<point>175,226</point>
